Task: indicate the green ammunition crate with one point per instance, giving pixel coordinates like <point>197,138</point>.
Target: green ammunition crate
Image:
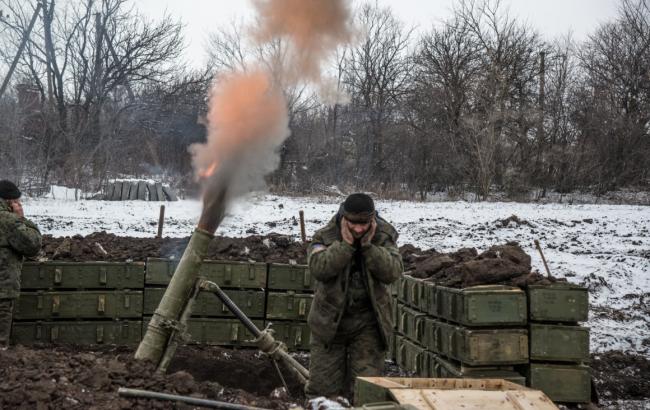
<point>423,290</point>
<point>79,305</point>
<point>251,302</point>
<point>491,305</point>
<point>559,343</point>
<point>86,275</point>
<point>561,302</point>
<point>90,332</point>
<point>482,347</point>
<point>561,383</point>
<point>295,335</point>
<point>215,331</point>
<point>440,367</point>
<point>225,274</point>
<point>288,306</point>
<point>390,350</point>
<point>290,277</point>
<point>431,334</point>
<point>431,297</point>
<point>402,289</point>
<point>412,324</point>
<point>412,358</point>
<point>412,293</point>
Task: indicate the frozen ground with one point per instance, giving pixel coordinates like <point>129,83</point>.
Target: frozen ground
<point>604,247</point>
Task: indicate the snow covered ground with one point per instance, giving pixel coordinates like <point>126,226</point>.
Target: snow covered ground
<point>604,247</point>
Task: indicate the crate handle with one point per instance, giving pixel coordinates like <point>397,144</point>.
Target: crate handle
<point>297,340</point>
<point>302,307</point>
<point>227,279</point>
<point>125,330</point>
<point>127,301</point>
<point>39,301</point>
<point>473,347</point>
<point>56,303</point>
<point>100,334</point>
<point>251,272</point>
<point>101,303</point>
<point>102,275</point>
<point>306,278</point>
<point>39,331</point>
<point>54,333</point>
<point>58,276</point>
<point>234,332</point>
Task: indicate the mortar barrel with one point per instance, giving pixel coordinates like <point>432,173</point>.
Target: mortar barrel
<point>176,296</point>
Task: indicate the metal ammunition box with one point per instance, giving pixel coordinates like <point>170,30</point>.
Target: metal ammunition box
<point>559,343</point>
<point>440,367</point>
<point>560,302</point>
<point>412,323</point>
<point>431,298</point>
<point>251,302</point>
<point>112,304</point>
<point>288,306</point>
<point>225,274</point>
<point>222,332</point>
<point>482,305</point>
<point>411,357</point>
<point>295,335</point>
<point>564,384</point>
<point>289,277</point>
<point>402,289</point>
<point>412,294</point>
<point>86,275</point>
<point>90,332</point>
<point>480,347</point>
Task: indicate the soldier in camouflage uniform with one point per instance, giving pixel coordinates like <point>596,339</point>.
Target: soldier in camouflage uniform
<point>19,237</point>
<point>354,259</point>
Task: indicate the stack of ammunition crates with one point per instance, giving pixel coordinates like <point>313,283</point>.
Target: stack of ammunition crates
<point>289,299</point>
<point>85,303</point>
<point>495,332</point>
<point>211,321</point>
<point>101,302</point>
<point>559,347</point>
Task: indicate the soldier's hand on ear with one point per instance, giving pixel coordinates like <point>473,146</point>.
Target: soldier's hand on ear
<point>367,237</point>
<point>17,207</point>
<point>345,232</point>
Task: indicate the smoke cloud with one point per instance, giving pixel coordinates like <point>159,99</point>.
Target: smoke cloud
<point>247,111</point>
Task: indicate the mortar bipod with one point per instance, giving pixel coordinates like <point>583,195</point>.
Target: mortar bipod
<point>264,340</point>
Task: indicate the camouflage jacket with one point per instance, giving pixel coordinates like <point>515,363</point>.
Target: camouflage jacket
<point>19,237</point>
<point>381,264</point>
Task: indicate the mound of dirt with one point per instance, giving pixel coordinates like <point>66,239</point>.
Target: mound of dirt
<point>83,377</point>
<point>501,264</point>
<point>621,376</point>
<point>102,246</point>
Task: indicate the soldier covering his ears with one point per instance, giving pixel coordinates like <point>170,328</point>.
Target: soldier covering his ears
<point>353,259</point>
<point>19,237</point>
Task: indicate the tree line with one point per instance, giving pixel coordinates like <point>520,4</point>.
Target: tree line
<point>480,103</point>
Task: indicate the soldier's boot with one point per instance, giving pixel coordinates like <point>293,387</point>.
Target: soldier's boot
<point>6,315</point>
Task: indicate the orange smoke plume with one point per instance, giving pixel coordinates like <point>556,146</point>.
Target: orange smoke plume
<point>314,27</point>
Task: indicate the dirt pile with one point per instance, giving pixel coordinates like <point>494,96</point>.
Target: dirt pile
<point>501,264</point>
<point>102,246</point>
<point>618,375</point>
<point>76,377</point>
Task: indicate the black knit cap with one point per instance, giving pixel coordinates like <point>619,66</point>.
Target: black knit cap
<point>359,208</point>
<point>9,190</point>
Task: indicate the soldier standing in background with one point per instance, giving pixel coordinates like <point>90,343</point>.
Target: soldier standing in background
<point>19,237</point>
<point>354,259</point>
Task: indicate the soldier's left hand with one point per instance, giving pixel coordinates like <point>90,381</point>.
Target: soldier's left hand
<point>367,237</point>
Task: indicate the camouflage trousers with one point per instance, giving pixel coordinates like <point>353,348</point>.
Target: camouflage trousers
<point>6,314</point>
<point>334,367</point>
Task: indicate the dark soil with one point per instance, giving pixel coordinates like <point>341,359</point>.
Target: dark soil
<point>618,375</point>
<point>83,377</point>
<point>501,264</point>
<point>102,246</point>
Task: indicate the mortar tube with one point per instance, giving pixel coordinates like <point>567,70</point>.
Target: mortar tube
<point>168,314</point>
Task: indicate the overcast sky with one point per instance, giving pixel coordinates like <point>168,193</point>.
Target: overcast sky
<point>553,18</point>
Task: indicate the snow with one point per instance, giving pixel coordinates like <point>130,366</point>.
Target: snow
<point>603,247</point>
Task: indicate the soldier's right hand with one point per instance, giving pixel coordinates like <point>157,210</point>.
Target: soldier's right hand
<point>345,232</point>
<point>17,207</point>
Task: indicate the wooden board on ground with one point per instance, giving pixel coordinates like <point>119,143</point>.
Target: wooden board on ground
<point>426,393</point>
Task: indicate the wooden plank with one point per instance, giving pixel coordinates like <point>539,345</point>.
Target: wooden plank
<point>472,399</point>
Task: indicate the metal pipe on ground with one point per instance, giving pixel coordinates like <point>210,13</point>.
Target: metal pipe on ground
<point>213,404</point>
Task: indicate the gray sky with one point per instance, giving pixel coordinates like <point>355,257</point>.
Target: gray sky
<point>553,18</point>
